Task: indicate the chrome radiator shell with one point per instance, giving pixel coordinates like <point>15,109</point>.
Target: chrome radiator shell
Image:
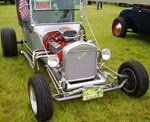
<point>79,61</point>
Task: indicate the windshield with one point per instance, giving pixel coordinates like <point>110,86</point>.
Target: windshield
<point>55,11</point>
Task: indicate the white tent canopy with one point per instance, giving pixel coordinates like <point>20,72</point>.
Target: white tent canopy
<point>143,2</point>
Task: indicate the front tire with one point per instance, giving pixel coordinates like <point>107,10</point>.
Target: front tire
<point>40,98</point>
<point>119,27</point>
<point>9,42</point>
<point>137,78</point>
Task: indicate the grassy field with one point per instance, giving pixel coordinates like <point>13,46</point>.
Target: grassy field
<point>113,107</point>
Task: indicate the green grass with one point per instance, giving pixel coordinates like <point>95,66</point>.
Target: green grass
<point>113,107</point>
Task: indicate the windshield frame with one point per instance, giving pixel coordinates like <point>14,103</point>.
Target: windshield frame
<point>44,15</point>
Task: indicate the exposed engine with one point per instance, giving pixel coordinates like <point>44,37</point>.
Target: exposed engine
<point>55,41</point>
<point>77,55</point>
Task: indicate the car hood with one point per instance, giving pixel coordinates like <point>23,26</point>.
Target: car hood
<point>43,29</point>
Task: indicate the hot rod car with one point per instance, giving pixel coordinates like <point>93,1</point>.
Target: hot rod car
<point>53,33</point>
<point>134,19</point>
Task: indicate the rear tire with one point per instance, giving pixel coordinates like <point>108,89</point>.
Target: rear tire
<point>40,98</point>
<point>9,42</point>
<point>137,78</point>
<point>119,27</point>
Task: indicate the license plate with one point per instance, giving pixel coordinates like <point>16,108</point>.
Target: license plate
<point>92,93</point>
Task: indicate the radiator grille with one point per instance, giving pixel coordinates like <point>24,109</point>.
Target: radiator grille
<point>80,64</point>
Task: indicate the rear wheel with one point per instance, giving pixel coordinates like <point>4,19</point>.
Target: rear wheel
<point>119,27</point>
<point>137,78</point>
<point>40,98</point>
<point>9,42</point>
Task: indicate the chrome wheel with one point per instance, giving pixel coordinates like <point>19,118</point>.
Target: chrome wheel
<point>117,28</point>
<point>33,101</point>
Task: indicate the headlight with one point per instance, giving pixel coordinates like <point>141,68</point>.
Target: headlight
<point>53,61</point>
<point>106,54</point>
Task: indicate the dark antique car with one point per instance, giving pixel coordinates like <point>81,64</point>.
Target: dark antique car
<point>134,19</point>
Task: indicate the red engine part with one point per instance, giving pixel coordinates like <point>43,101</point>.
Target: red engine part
<point>55,41</point>
<point>55,36</point>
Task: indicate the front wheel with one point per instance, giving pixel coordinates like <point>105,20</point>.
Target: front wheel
<point>40,98</point>
<point>137,78</point>
<point>119,27</point>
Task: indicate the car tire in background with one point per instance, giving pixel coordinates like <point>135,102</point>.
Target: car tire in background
<point>12,1</point>
<point>89,2</point>
<point>137,78</point>
<point>9,42</point>
<point>40,98</point>
<point>119,27</point>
